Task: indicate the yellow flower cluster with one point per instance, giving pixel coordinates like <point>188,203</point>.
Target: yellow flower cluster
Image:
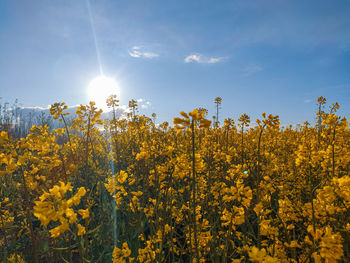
<point>261,256</point>
<point>53,207</point>
<point>196,117</point>
<point>5,217</point>
<point>121,254</point>
<point>15,258</point>
<point>56,110</point>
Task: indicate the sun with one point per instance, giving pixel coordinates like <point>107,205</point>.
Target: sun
<point>100,88</point>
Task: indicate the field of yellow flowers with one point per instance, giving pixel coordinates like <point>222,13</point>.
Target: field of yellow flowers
<point>127,190</point>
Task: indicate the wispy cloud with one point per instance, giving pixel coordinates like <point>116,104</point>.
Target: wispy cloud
<point>39,108</point>
<point>199,58</point>
<point>36,108</point>
<point>214,60</point>
<point>144,104</point>
<point>252,69</point>
<point>137,52</point>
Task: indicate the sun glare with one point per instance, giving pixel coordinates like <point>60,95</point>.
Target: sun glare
<point>100,88</point>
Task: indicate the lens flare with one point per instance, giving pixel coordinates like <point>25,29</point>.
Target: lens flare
<point>100,88</point>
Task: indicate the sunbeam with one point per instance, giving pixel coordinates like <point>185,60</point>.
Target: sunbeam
<point>94,36</point>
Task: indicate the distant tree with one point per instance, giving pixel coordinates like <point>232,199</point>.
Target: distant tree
<point>43,119</point>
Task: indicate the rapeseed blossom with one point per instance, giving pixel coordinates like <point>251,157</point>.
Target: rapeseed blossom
<point>134,191</point>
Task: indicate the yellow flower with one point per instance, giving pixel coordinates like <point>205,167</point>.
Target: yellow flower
<point>81,230</point>
<point>15,258</point>
<point>84,213</point>
<point>57,231</point>
<point>260,255</point>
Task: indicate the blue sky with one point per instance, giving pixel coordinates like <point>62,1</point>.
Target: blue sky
<point>266,55</point>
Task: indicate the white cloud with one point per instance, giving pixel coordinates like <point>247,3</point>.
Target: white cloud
<point>136,52</point>
<point>124,108</point>
<point>214,60</point>
<point>36,108</point>
<point>252,69</point>
<point>150,55</point>
<point>202,59</point>
<point>46,108</point>
<point>193,57</point>
<point>145,104</point>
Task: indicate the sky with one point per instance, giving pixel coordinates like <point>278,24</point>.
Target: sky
<point>272,56</point>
